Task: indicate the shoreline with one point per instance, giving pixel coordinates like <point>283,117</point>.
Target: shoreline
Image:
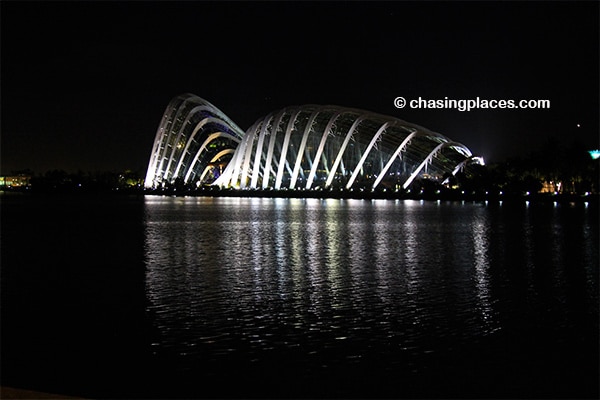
<point>446,196</point>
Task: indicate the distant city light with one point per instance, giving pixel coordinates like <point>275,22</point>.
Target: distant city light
<point>595,154</point>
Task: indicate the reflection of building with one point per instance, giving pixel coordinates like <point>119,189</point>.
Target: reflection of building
<point>301,147</point>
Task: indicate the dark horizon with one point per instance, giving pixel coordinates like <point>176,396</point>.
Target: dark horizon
<point>85,84</point>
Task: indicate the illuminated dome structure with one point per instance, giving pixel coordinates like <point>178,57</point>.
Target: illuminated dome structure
<point>299,147</point>
<point>194,141</point>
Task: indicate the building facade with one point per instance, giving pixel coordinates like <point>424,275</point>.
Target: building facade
<point>299,147</point>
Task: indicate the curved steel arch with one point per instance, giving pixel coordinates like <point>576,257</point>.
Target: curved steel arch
<point>214,159</point>
<point>198,127</point>
<point>376,137</point>
<point>203,146</point>
<point>394,156</point>
<point>176,134</point>
<point>429,159</point>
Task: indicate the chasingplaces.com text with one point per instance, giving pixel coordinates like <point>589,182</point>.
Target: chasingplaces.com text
<point>469,104</point>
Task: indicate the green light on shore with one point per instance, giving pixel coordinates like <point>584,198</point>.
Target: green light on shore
<point>595,154</point>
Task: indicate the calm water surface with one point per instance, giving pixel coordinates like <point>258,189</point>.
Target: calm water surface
<point>240,297</point>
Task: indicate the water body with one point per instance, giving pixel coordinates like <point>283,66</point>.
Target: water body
<point>196,297</point>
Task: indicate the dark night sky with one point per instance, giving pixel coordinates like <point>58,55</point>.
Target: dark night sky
<point>84,84</point>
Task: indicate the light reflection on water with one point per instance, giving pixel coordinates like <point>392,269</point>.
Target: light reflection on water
<point>480,244</point>
<point>333,282</point>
